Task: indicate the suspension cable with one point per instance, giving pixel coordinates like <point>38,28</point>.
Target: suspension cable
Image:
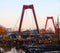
<point>16,23</point>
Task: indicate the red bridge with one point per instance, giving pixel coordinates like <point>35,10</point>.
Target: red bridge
<point>32,7</point>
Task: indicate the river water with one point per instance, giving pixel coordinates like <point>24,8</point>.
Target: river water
<point>13,50</point>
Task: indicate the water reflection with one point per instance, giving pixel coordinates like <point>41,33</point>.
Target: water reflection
<point>13,50</point>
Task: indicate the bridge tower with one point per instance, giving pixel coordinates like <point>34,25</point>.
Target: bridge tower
<point>23,10</point>
<point>52,22</point>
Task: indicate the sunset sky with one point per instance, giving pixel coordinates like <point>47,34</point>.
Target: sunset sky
<point>10,12</point>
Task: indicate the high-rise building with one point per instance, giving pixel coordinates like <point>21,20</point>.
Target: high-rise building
<point>58,28</point>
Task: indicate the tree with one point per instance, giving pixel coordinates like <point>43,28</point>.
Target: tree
<point>2,30</point>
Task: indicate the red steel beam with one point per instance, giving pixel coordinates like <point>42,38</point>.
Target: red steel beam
<point>47,23</point>
<point>28,7</point>
<point>32,7</point>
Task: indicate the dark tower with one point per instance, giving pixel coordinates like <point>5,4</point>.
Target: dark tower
<point>58,27</point>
